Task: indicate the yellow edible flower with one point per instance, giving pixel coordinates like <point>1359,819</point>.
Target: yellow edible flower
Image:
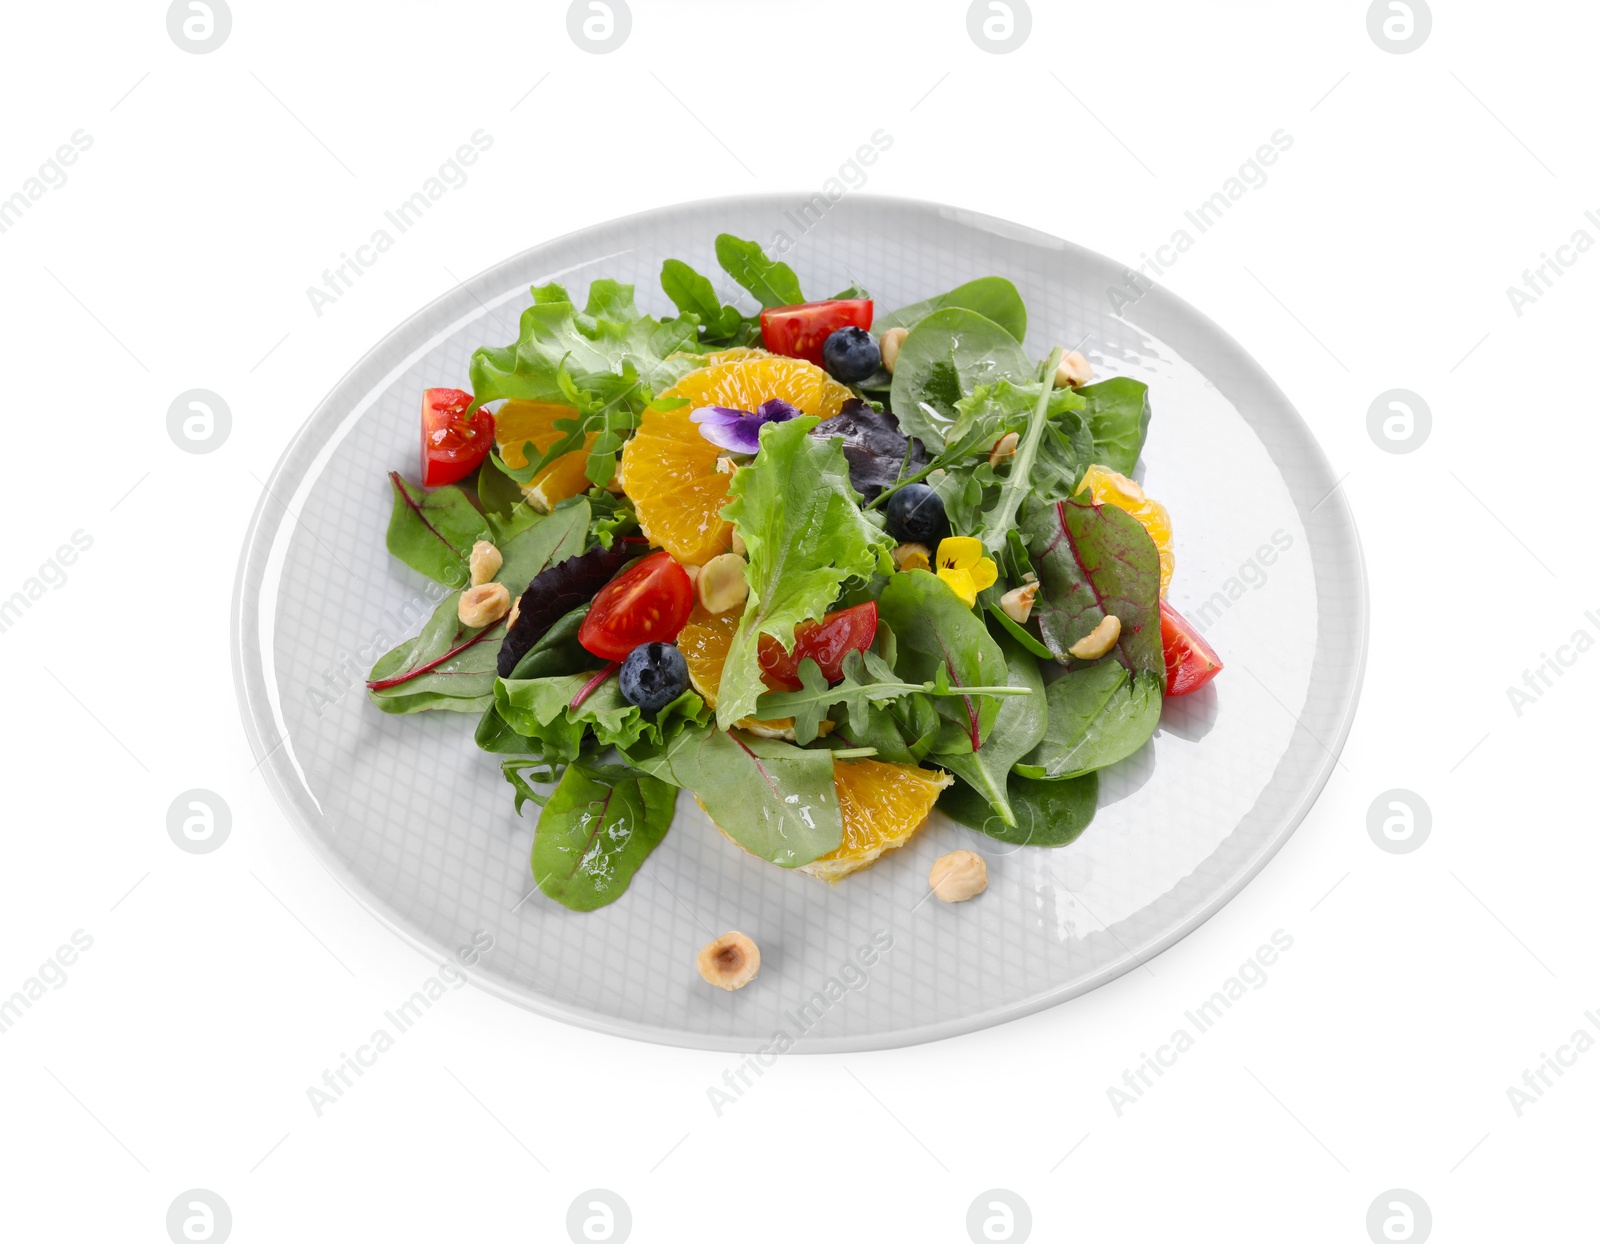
<point>963,566</point>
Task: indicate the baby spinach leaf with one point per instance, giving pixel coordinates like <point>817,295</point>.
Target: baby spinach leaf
<point>433,532</point>
<point>806,536</point>
<point>937,637</point>
<point>1097,716</point>
<point>772,282</point>
<point>774,799</point>
<point>693,294</point>
<point>1018,727</point>
<point>1093,561</point>
<point>608,354</point>
<point>451,666</point>
<point>993,297</point>
<point>596,829</point>
<point>948,355</point>
<point>1048,814</point>
<point>1118,414</point>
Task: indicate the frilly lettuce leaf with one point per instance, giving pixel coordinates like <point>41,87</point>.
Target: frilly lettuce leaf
<point>805,536</point>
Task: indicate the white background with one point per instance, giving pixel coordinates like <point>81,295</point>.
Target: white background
<point>177,255</point>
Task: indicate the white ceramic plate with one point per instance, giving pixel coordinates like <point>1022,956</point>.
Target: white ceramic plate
<point>418,823</point>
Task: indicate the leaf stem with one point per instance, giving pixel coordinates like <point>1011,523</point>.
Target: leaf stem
<point>593,685</point>
<point>1004,515</point>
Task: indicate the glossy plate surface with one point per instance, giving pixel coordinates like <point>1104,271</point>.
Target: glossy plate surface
<point>417,822</point>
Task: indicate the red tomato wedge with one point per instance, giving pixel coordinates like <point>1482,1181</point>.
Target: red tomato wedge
<point>452,444</point>
<point>649,601</point>
<point>798,332</point>
<point>826,642</point>
<point>1191,662</point>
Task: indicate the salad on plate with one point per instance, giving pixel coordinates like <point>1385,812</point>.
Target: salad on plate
<point>822,568</point>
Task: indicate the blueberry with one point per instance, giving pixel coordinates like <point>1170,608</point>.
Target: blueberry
<point>916,516</point>
<point>850,355</point>
<point>653,676</point>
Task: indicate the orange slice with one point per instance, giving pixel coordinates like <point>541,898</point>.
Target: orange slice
<point>670,471</point>
<point>882,805</point>
<point>515,424</point>
<point>704,642</point>
<point>1106,487</point>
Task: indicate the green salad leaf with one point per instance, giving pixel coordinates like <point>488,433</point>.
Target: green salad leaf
<point>1048,814</point>
<point>451,666</point>
<point>948,355</point>
<point>771,281</point>
<point>774,799</point>
<point>900,731</point>
<point>433,532</point>
<point>1118,414</point>
<point>541,709</point>
<point>805,537</point>
<point>597,828</point>
<point>992,297</point>
<point>501,499</point>
<point>1097,716</point>
<point>1018,728</point>
<point>693,294</point>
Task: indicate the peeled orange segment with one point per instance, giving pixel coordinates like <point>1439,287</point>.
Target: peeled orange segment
<point>670,471</point>
<point>733,354</point>
<point>882,805</point>
<point>515,424</point>
<point>704,642</point>
<point>1106,487</point>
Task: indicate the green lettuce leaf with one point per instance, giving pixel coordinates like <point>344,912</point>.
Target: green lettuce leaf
<point>540,709</point>
<point>806,536</point>
<point>597,828</point>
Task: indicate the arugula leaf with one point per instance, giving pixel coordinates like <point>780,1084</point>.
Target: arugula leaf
<point>522,772</point>
<point>938,637</point>
<point>1093,561</point>
<point>1118,414</point>
<point>1048,814</point>
<point>805,536</point>
<point>433,532</point>
<point>1097,716</point>
<point>772,282</point>
<point>597,828</point>
<point>451,666</point>
<point>900,731</point>
<point>948,355</point>
<point>693,294</point>
<point>867,680</point>
<point>1018,728</point>
<point>608,354</point>
<point>993,297</point>
<point>774,799</point>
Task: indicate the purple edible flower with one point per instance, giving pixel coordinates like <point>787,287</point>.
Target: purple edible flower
<point>740,430</point>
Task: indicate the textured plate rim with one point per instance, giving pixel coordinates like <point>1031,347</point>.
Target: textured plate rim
<point>256,712</point>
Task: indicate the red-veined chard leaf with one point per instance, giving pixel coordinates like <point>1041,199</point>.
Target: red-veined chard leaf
<point>597,828</point>
<point>433,532</point>
<point>1018,727</point>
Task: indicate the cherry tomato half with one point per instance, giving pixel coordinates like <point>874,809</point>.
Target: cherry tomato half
<point>799,331</point>
<point>1191,663</point>
<point>649,601</point>
<point>452,444</point>
<point>826,642</point>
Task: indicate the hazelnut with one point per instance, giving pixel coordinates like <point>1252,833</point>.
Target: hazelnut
<point>483,605</point>
<point>485,562</point>
<point>889,346</point>
<point>958,876</point>
<point>721,585</point>
<point>1018,602</point>
<point>736,543</point>
<point>1099,641</point>
<point>1074,371</point>
<point>516,609</point>
<point>1004,449</point>
<point>730,962</point>
<point>912,557</point>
